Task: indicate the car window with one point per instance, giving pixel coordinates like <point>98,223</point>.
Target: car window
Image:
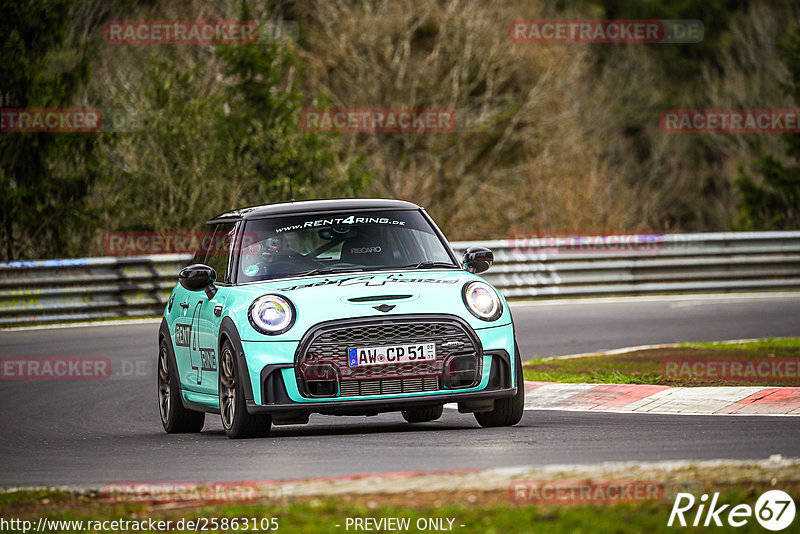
<point>369,240</point>
<point>217,250</point>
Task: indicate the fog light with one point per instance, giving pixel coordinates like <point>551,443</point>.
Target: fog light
<point>322,379</point>
<point>460,371</point>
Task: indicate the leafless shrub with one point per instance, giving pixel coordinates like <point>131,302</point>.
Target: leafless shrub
<point>543,140</point>
<point>518,158</point>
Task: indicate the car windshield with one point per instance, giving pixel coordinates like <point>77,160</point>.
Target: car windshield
<point>349,241</point>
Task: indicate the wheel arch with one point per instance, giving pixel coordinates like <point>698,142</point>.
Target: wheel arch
<point>164,335</point>
<point>163,331</point>
<point>229,332</point>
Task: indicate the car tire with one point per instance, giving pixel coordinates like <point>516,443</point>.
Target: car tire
<point>507,411</point>
<point>236,421</point>
<point>423,415</point>
<point>174,417</point>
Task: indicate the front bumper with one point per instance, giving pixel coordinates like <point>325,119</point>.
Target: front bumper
<point>277,387</point>
<point>498,384</point>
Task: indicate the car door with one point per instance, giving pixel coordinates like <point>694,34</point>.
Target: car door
<point>179,321</point>
<point>201,321</point>
<point>200,351</point>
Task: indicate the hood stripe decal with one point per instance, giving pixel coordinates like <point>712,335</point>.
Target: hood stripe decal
<point>375,298</point>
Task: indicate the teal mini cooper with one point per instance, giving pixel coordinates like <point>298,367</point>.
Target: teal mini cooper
<point>335,307</point>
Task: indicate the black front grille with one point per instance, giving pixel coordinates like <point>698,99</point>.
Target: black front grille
<point>388,333</point>
<point>329,344</point>
<point>355,388</point>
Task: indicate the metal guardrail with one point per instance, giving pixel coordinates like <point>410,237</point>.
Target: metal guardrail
<point>44,291</point>
<point>644,264</point>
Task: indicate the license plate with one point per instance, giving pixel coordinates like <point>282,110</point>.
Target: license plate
<point>362,356</point>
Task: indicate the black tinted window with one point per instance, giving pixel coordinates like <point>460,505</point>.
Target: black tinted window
<point>368,240</point>
<point>218,249</point>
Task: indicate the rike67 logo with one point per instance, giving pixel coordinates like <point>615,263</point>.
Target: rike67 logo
<point>774,510</point>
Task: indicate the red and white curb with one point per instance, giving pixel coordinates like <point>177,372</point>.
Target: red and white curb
<point>637,398</point>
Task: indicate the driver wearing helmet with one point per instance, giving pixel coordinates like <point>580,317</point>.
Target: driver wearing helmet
<point>258,256</point>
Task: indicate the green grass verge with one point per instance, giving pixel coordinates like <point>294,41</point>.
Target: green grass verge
<point>647,366</point>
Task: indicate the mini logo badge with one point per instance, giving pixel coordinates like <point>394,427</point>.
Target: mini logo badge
<point>384,307</point>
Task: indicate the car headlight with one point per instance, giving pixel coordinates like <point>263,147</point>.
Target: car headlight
<point>271,314</point>
<point>482,300</point>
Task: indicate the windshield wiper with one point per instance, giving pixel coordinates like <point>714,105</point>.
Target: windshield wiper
<point>328,270</point>
<point>429,265</point>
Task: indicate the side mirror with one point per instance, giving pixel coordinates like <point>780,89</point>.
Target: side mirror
<point>477,259</point>
<point>198,276</point>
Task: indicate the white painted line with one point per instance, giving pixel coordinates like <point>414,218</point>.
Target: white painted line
<point>655,298</point>
<point>626,350</point>
<point>623,350</point>
<point>515,304</point>
<point>626,411</point>
<point>119,322</point>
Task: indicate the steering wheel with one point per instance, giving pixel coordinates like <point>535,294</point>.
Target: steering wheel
<point>289,264</point>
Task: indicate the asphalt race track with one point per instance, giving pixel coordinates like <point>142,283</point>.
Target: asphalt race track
<point>92,432</point>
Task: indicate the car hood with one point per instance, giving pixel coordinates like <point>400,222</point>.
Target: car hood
<point>327,298</point>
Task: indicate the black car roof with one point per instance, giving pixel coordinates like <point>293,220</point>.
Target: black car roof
<point>312,206</point>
